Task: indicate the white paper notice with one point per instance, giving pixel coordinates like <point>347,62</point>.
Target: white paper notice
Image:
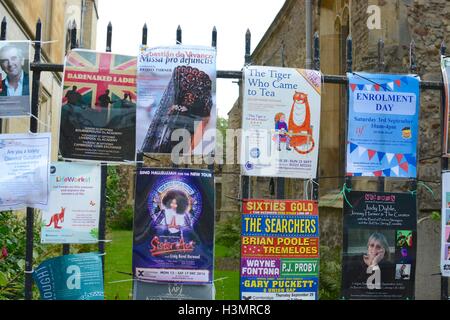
<point>24,170</point>
<point>74,207</point>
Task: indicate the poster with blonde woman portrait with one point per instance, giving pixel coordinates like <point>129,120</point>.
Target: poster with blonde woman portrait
<point>379,249</point>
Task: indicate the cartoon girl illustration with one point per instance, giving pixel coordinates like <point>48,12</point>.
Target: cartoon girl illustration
<point>282,132</point>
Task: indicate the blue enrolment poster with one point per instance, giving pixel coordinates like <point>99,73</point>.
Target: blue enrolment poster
<point>71,277</point>
<point>383,125</point>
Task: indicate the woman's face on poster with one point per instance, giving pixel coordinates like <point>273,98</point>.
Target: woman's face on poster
<point>374,248</point>
<point>173,204</point>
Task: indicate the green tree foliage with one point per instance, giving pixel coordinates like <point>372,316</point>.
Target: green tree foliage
<point>119,214</point>
<point>222,126</point>
<point>330,273</point>
<point>228,234</point>
<point>12,254</point>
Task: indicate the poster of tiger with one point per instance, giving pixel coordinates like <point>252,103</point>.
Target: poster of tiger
<point>280,122</point>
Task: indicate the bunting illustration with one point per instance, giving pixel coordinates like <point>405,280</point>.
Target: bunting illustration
<point>383,125</point>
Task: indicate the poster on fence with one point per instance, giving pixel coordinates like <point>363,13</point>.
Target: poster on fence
<point>279,250</point>
<point>383,125</point>
<point>24,168</point>
<point>445,66</point>
<point>176,100</point>
<point>71,277</point>
<point>98,115</point>
<point>380,241</point>
<point>15,79</point>
<point>74,205</point>
<point>445,242</point>
<point>171,291</point>
<point>174,226</point>
<point>280,122</point>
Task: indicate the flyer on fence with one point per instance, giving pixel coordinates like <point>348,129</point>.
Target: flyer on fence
<point>380,245</point>
<point>24,168</point>
<point>445,66</point>
<point>174,226</point>
<point>445,242</point>
<point>383,125</point>
<point>15,79</point>
<point>74,205</point>
<point>172,291</point>
<point>279,250</point>
<point>280,122</point>
<point>98,114</point>
<point>71,277</point>
<point>176,100</point>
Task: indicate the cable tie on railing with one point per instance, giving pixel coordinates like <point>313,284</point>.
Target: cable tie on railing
<point>342,193</point>
<point>235,199</point>
<point>221,279</point>
<point>29,272</point>
<point>148,157</point>
<point>44,42</point>
<point>421,183</point>
<point>127,273</point>
<point>132,162</point>
<point>37,119</point>
<point>118,281</point>
<point>313,182</point>
<point>105,240</point>
<point>309,188</point>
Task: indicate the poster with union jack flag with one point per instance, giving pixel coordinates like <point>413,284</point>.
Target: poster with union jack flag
<point>98,115</point>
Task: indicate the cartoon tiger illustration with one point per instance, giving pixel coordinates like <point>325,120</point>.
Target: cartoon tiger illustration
<point>300,124</point>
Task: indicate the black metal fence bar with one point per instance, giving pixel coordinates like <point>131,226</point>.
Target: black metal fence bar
<point>73,45</point>
<point>245,184</point>
<point>33,129</point>
<point>230,74</point>
<point>281,181</point>
<point>444,165</point>
<point>381,68</point>
<point>103,180</point>
<point>316,66</point>
<point>2,37</point>
<point>413,70</point>
<point>349,42</point>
